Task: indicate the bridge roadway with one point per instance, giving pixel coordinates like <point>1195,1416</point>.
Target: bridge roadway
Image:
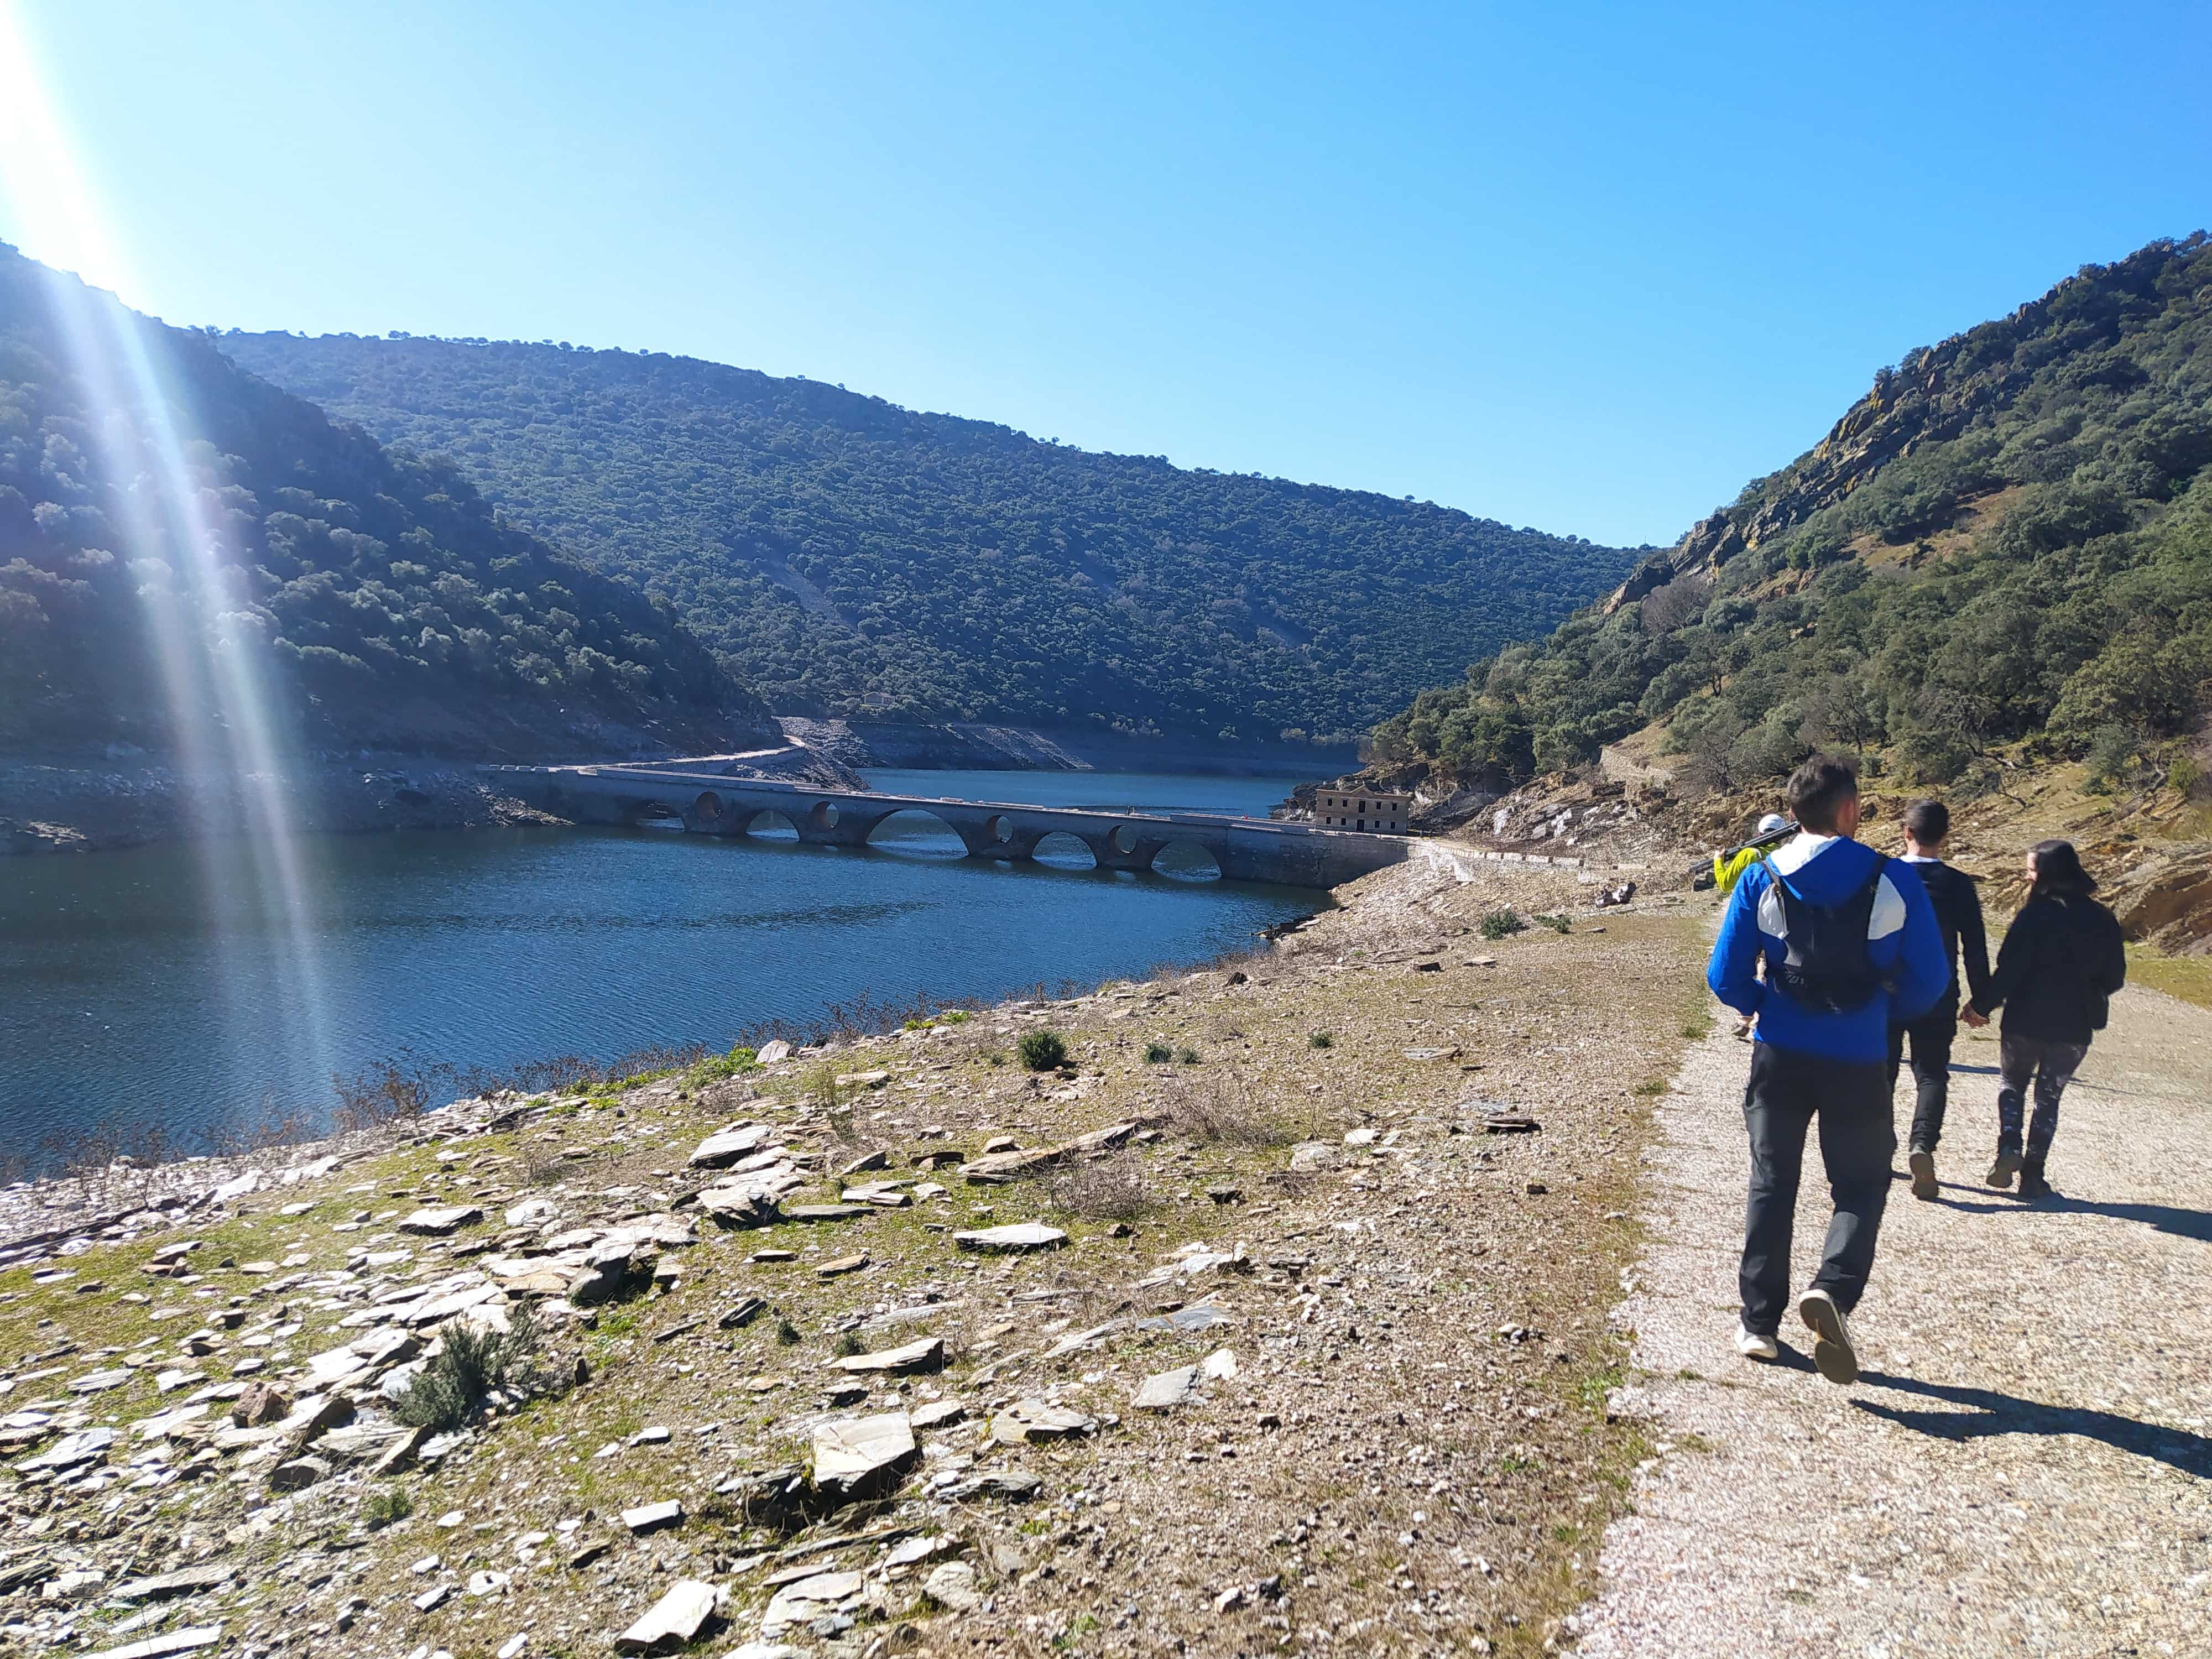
<point>710,804</point>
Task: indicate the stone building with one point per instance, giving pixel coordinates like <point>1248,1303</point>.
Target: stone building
<point>1338,807</point>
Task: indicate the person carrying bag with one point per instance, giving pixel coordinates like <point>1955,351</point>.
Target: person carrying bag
<point>2062,960</point>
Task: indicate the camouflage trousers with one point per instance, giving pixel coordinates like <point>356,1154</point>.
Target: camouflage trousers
<point>2049,1066</point>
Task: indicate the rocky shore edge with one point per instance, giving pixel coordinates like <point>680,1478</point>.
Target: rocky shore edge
<point>87,804</point>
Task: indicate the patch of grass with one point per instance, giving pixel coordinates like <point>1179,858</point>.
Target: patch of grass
<point>719,1069</point>
<point>1044,1050</point>
<point>995,1056</point>
<point>1651,1086</point>
<point>847,1344</point>
<point>1699,1029</point>
<point>787,1333</point>
<point>1223,1108</point>
<point>1560,925</point>
<point>1157,1054</point>
<point>1321,1039</point>
<point>385,1505</point>
<point>1501,924</point>
<point>1187,1056</point>
<point>2188,979</point>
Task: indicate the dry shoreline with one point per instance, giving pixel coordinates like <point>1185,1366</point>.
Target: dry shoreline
<point>1409,1447</point>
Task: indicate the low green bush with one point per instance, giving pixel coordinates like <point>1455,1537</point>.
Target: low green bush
<point>1043,1051</point>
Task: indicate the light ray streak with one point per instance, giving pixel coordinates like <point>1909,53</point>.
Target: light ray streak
<point>222,707</point>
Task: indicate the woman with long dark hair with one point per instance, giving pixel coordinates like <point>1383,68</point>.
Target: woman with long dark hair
<point>2062,960</point>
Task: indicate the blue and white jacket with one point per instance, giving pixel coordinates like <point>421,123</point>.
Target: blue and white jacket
<point>1903,941</point>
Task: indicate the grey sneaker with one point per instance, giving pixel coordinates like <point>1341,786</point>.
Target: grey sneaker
<point>1923,1165</point>
<point>1839,1361</point>
<point>2001,1172</point>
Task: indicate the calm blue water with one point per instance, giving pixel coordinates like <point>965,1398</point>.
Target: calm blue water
<point>156,983</point>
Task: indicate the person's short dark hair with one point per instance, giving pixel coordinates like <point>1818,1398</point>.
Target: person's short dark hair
<point>1927,822</point>
<point>2058,870</point>
<point>1817,790</point>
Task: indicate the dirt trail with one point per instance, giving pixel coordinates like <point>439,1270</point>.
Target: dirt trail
<point>2026,1466</point>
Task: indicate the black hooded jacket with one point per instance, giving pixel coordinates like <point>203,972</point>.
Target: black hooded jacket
<point>2062,959</point>
<point>1959,914</point>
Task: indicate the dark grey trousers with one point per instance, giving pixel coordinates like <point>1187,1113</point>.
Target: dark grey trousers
<point>2052,1065</point>
<point>1787,1092</point>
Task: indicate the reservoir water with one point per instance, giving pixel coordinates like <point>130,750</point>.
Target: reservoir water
<point>156,985</point>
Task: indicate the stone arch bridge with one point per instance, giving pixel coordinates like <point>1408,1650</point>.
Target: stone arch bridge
<point>708,803</point>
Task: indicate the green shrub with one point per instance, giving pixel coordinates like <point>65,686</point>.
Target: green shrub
<point>1187,1056</point>
<point>447,1392</point>
<point>1557,924</point>
<point>1498,923</point>
<point>1321,1039</point>
<point>786,1332</point>
<point>1157,1054</point>
<point>2186,776</point>
<point>1043,1051</point>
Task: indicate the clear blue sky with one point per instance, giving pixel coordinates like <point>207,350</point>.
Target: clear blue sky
<point>1584,267</point>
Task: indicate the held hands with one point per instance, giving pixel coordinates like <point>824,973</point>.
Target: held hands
<point>1970,1018</point>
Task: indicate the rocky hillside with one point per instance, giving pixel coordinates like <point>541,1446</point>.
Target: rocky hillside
<point>182,544</point>
<point>2001,556</point>
<point>858,559</point>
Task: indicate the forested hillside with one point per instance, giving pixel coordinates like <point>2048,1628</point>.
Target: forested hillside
<point>850,556</point>
<point>2002,553</point>
<point>378,593</point>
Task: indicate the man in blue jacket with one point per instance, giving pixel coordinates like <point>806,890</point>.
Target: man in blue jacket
<point>1852,947</point>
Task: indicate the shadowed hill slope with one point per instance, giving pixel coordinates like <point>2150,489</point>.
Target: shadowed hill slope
<point>853,557</point>
<point>381,598</point>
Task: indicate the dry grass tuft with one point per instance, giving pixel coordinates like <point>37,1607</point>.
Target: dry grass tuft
<point>1114,1188</point>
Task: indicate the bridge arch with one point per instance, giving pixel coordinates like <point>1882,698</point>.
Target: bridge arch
<point>1061,850</point>
<point>1188,858</point>
<point>1122,838</point>
<point>768,824</point>
<point>916,832</point>
<point>824,816</point>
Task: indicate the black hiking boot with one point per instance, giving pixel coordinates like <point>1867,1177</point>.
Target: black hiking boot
<point>2001,1172</point>
<point>2032,1183</point>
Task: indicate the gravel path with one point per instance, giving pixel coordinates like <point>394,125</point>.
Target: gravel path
<point>2025,1465</point>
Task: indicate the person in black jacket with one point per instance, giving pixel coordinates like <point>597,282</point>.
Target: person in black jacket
<point>2062,960</point>
<point>1958,914</point>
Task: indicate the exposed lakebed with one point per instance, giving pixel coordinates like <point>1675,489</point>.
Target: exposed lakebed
<point>163,983</point>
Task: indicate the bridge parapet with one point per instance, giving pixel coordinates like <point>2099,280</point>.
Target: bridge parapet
<point>1244,849</point>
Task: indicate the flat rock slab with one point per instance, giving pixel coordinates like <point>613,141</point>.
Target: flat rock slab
<point>926,1355</point>
<point>442,1222</point>
<point>825,1212</point>
<point>1015,1485</point>
<point>674,1621</point>
<point>939,1413</point>
<point>742,1203</point>
<point>1167,1389</point>
<point>187,1581</point>
<point>101,1382</point>
<point>1198,1317</point>
<point>191,1640</point>
<point>727,1146</point>
<point>1011,1239</point>
<point>651,1517</point>
<point>857,1456</point>
<point>841,1265</point>
<point>70,1450</point>
<point>954,1587</point>
<point>1037,1419</point>
<point>807,1600</point>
